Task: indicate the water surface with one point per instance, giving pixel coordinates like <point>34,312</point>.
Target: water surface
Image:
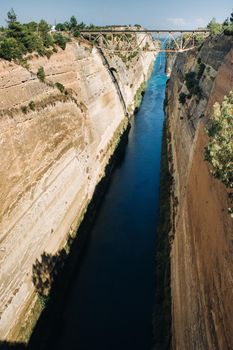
<point>110,303</point>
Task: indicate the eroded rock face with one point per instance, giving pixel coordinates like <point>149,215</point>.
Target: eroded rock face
<point>201,248</point>
<point>53,154</point>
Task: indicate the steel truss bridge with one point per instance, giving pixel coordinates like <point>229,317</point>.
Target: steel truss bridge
<point>136,40</point>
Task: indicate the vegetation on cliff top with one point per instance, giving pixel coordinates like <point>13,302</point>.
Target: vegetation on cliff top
<point>217,28</point>
<point>17,39</point>
<point>219,151</point>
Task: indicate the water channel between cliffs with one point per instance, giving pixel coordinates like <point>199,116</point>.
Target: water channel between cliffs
<point>110,303</point>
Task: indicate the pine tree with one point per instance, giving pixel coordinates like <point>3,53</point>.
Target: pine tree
<point>11,16</point>
<point>231,18</point>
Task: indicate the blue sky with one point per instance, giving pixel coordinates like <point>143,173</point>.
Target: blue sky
<point>150,13</point>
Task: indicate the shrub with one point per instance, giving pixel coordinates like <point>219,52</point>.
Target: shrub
<point>192,84</point>
<point>182,98</point>
<point>61,40</point>
<point>24,109</point>
<point>47,39</point>
<point>61,27</point>
<point>60,87</point>
<point>200,70</point>
<point>214,27</point>
<point>32,105</point>
<point>48,53</point>
<point>219,151</point>
<point>228,30</point>
<point>10,49</point>
<point>76,33</point>
<point>41,74</point>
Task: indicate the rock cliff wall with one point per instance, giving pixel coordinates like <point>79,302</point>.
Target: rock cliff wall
<point>55,146</point>
<point>202,229</point>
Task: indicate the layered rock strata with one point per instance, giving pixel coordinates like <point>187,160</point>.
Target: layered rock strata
<point>57,137</point>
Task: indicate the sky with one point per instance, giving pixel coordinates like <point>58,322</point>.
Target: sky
<point>162,14</point>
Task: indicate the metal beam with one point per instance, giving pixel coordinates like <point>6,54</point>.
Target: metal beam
<point>158,31</point>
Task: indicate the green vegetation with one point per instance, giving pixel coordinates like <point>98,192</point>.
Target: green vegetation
<point>11,16</point>
<point>61,40</point>
<point>10,49</point>
<point>17,39</point>
<point>24,109</point>
<point>214,27</point>
<point>32,105</point>
<point>139,95</point>
<point>200,70</point>
<point>217,28</point>
<point>182,98</point>
<point>187,40</point>
<point>228,25</point>
<point>60,87</point>
<point>219,151</point>
<point>41,74</point>
<point>192,83</point>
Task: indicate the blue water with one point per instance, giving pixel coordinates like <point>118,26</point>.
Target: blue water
<point>111,302</point>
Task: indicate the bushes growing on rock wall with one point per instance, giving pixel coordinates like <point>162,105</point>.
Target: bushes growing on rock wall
<point>61,40</point>
<point>200,70</point>
<point>32,105</point>
<point>60,87</point>
<point>219,151</point>
<point>192,83</point>
<point>139,95</point>
<point>182,98</point>
<point>41,74</point>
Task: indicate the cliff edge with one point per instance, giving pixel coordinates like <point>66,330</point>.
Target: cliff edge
<point>201,227</point>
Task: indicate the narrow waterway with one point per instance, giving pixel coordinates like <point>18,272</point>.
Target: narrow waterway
<point>111,301</point>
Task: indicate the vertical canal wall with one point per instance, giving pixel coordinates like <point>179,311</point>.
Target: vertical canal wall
<point>53,154</point>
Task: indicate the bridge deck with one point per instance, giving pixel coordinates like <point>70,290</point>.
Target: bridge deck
<point>158,31</point>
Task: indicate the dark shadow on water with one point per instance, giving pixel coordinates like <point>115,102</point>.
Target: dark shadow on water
<point>4,345</point>
<point>52,275</point>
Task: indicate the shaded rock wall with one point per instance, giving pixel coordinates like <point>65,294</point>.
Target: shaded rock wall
<point>201,236</point>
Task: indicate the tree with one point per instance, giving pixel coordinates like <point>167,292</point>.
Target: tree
<point>73,22</point>
<point>10,49</point>
<point>60,40</point>
<point>60,27</point>
<point>67,25</point>
<point>231,18</point>
<point>31,26</point>
<point>214,27</point>
<point>81,25</point>
<point>11,16</point>
<point>43,26</point>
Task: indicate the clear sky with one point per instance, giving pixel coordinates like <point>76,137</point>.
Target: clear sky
<point>150,13</point>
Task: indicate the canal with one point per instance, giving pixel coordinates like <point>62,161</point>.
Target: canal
<point>110,303</point>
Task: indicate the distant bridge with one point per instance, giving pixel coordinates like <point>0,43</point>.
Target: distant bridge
<point>131,40</point>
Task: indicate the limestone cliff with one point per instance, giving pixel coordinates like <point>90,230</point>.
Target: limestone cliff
<point>201,233</point>
<point>56,140</point>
